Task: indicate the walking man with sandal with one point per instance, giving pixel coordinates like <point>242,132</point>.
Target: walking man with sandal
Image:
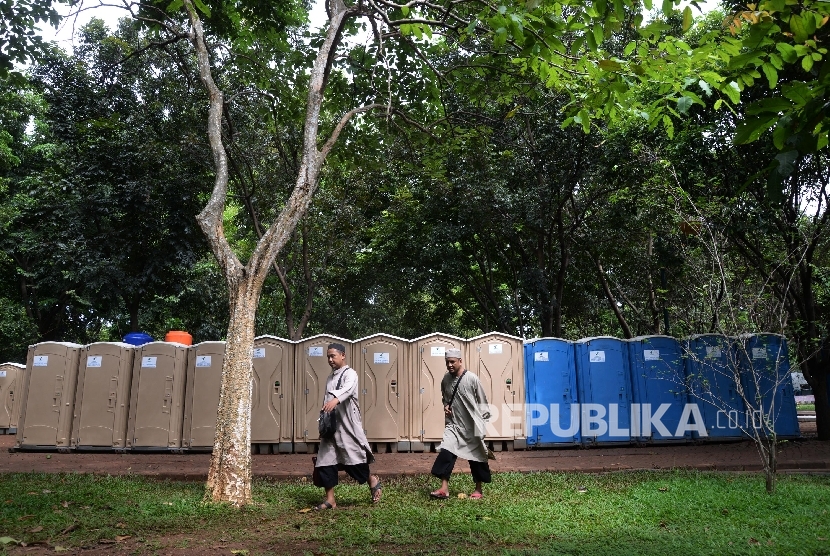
<point>465,411</point>
<point>348,449</point>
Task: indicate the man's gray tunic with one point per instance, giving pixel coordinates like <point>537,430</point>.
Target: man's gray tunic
<point>464,429</point>
<point>349,445</point>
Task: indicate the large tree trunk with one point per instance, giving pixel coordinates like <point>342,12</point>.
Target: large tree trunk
<point>229,477</point>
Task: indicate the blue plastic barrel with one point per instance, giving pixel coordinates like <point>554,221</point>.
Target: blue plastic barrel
<point>658,390</point>
<point>137,338</point>
<point>765,375</point>
<point>550,392</point>
<point>604,383</point>
<point>712,369</point>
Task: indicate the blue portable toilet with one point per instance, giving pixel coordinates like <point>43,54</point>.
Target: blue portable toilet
<point>712,373</point>
<point>765,375</point>
<point>550,392</point>
<point>658,390</point>
<point>137,338</point>
<point>604,385</point>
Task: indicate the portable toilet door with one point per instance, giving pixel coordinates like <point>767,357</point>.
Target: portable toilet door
<point>381,362</point>
<point>102,399</point>
<point>201,397</point>
<point>428,369</point>
<point>497,360</point>
<point>765,375</point>
<point>658,390</point>
<point>603,379</point>
<point>272,405</point>
<point>11,380</point>
<point>312,371</point>
<point>48,396</point>
<point>552,403</point>
<point>712,371</point>
<point>157,397</point>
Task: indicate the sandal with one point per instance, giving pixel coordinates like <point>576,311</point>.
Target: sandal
<point>324,505</point>
<point>476,495</point>
<point>377,491</point>
<point>439,495</point>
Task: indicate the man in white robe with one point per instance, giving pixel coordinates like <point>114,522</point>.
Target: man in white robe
<point>348,450</point>
<point>464,413</point>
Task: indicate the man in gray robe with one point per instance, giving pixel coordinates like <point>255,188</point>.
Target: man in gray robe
<point>465,408</point>
<point>348,450</point>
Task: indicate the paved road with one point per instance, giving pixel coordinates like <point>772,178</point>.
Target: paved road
<point>807,455</point>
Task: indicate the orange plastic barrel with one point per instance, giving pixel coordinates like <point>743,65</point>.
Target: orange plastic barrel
<point>179,336</point>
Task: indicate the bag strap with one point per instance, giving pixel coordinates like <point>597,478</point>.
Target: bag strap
<point>455,389</point>
<point>340,380</point>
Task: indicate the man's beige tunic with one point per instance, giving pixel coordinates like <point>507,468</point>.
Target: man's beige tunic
<point>464,429</point>
<point>349,445</point>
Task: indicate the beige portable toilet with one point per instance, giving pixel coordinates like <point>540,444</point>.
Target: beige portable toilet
<point>312,370</point>
<point>102,399</point>
<point>157,397</point>
<point>427,370</point>
<point>48,396</point>
<point>201,398</point>
<point>382,365</point>
<point>498,361</point>
<point>272,403</point>
<point>11,382</point>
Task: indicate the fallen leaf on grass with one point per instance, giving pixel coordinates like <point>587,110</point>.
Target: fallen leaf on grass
<point>120,525</point>
<point>37,529</point>
<point>22,517</point>
<point>663,489</point>
<point>461,496</point>
<point>240,552</point>
<point>106,541</point>
<point>47,492</point>
<point>8,540</point>
<point>60,548</point>
<point>822,538</point>
<point>754,541</point>
<point>305,510</point>
<point>65,504</point>
<point>70,528</point>
<point>122,538</point>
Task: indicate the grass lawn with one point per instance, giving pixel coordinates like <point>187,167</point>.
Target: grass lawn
<point>675,513</point>
<point>805,407</point>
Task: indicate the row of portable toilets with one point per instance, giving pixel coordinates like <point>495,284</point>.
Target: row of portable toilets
<point>543,393</point>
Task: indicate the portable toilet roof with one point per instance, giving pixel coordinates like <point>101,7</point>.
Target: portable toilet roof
<point>378,335</point>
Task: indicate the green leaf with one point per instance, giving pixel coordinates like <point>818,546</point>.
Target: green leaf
<point>629,48</point>
<point>599,33</point>
<point>781,132</point>
<point>752,128</point>
<point>807,63</point>
<point>687,18</point>
<point>174,6</point>
<point>798,28</point>
<point>787,52</point>
<point>648,4</point>
<point>668,125</point>
<point>609,65</point>
<point>772,75</point>
<point>705,86</point>
<point>668,7</point>
<point>733,91</point>
<point>405,10</point>
<point>772,105</point>
<point>202,7</point>
<point>684,103</point>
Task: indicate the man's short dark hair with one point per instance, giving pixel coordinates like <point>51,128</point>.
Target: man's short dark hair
<point>339,347</point>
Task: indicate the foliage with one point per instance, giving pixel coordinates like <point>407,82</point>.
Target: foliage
<point>19,43</point>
